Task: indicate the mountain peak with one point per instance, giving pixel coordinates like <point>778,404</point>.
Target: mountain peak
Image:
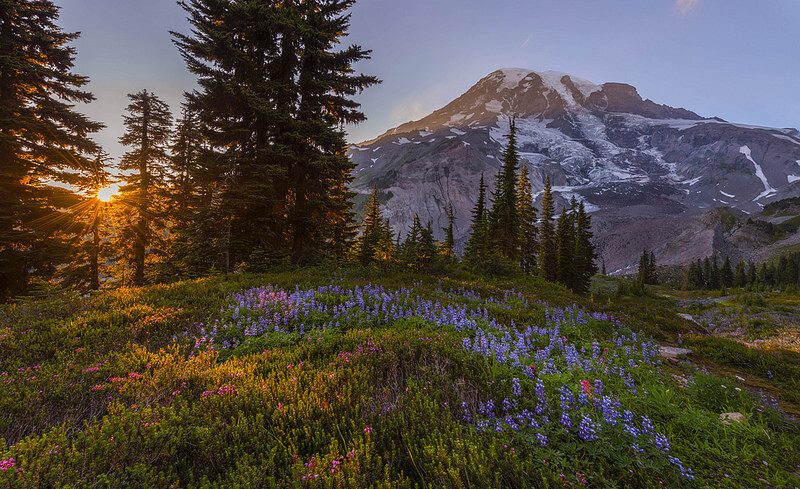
<point>643,169</point>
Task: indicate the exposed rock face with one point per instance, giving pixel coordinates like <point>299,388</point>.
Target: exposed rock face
<point>645,171</point>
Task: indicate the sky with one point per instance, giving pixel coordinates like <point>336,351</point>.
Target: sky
<point>734,59</point>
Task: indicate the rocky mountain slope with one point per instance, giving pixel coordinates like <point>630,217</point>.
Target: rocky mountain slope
<point>647,172</point>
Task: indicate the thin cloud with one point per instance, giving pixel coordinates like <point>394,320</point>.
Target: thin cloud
<point>408,109</point>
<point>686,6</point>
<point>527,41</point>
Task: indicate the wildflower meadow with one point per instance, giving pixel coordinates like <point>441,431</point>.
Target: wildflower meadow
<point>318,379</point>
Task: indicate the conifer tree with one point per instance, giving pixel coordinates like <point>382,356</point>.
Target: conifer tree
<point>528,233</point>
<point>341,223</point>
<point>716,277</point>
<point>477,247</point>
<point>652,269</point>
<point>726,273</point>
<point>275,95</point>
<point>565,246</point>
<point>647,268</point>
<point>148,131</point>
<point>691,276</point>
<point>181,245</point>
<point>89,225</point>
<point>503,216</point>
<point>427,248</point>
<point>740,280</point>
<point>548,261</point>
<point>604,267</point>
<point>708,274</point>
<point>448,245</point>
<point>409,252</point>
<point>790,273</point>
<point>752,277</point>
<point>585,256</point>
<point>42,140</point>
<point>375,243</point>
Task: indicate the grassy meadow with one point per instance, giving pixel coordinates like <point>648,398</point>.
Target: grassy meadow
<point>353,379</point>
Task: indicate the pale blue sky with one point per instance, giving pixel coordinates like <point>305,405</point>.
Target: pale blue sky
<point>736,59</point>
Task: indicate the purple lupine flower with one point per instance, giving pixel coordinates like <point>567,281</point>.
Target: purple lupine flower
<point>565,420</point>
<point>542,439</point>
<point>661,442</point>
<point>587,429</point>
<point>541,397</point>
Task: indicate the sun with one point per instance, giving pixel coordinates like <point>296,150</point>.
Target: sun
<point>107,193</point>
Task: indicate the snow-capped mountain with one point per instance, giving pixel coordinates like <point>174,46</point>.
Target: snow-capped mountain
<point>645,171</point>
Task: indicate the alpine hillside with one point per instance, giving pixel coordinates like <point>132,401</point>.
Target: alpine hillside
<point>651,175</point>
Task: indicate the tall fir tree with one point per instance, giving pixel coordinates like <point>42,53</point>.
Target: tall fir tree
<point>752,277</point>
<point>528,232</point>
<point>726,273</point>
<point>343,229</point>
<point>504,215</point>
<point>181,246</point>
<point>477,247</point>
<point>427,248</point>
<point>548,259</point>
<point>42,140</point>
<point>565,249</point>
<point>409,251</point>
<point>652,269</point>
<point>90,222</point>
<point>740,279</point>
<point>647,268</point>
<point>375,243</point>
<point>448,245</point>
<point>585,255</point>
<point>275,95</point>
<point>148,130</point>
<point>708,274</point>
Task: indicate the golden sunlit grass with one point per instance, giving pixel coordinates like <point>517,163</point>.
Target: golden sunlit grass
<point>107,193</point>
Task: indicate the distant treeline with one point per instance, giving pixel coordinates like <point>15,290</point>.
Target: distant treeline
<point>709,274</point>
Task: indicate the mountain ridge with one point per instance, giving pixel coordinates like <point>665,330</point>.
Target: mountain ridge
<point>631,160</point>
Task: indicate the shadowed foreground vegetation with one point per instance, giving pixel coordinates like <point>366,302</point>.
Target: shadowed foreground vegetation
<point>334,379</point>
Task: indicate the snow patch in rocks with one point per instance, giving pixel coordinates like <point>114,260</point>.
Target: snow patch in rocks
<point>727,194</point>
<point>793,178</point>
<point>457,131</point>
<point>494,106</point>
<point>455,118</point>
<point>745,150</point>
<point>693,181</point>
<point>402,141</point>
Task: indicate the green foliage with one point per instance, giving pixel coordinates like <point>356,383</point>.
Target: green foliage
<point>478,246</point>
<point>529,241</point>
<point>548,257</point>
<point>503,217</point>
<point>122,395</point>
<point>43,141</point>
<point>375,242</point>
<point>273,96</point>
